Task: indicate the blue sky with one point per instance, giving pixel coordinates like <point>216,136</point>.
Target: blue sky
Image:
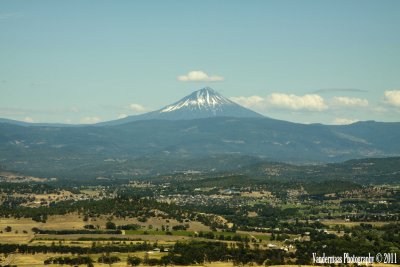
<point>303,61</point>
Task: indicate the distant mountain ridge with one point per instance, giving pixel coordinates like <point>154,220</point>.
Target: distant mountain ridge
<point>23,123</point>
<point>203,103</point>
<point>139,146</point>
<point>200,125</point>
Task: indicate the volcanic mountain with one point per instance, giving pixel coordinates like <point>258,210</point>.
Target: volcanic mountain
<point>203,124</point>
<point>203,103</point>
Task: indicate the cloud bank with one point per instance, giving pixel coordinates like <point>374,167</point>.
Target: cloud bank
<point>249,101</point>
<point>392,97</point>
<point>349,101</point>
<point>308,102</point>
<point>311,102</point>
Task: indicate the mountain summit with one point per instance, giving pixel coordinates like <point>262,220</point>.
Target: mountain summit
<point>205,99</point>
<point>203,103</point>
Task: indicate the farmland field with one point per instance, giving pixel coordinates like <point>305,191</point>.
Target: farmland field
<point>163,222</point>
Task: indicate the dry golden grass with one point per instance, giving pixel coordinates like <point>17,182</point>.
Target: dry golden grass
<point>16,178</point>
<point>61,222</point>
<point>134,238</point>
<point>75,221</point>
<point>155,223</point>
<point>256,194</point>
<point>19,225</point>
<point>252,214</point>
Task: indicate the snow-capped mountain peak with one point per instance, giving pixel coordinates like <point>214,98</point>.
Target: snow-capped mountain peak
<point>203,99</point>
<point>203,103</point>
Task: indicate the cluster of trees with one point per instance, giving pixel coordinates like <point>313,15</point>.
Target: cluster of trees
<point>71,232</point>
<point>182,253</point>
<point>365,217</point>
<point>181,227</point>
<point>30,249</point>
<point>129,204</point>
<point>367,211</point>
<point>122,206</point>
<point>129,227</point>
<point>196,252</point>
<point>133,261</point>
<point>89,226</point>
<point>107,259</point>
<point>362,240</point>
<point>112,226</point>
<point>330,186</point>
<point>70,261</point>
<point>80,260</point>
<point>28,188</point>
<point>12,201</point>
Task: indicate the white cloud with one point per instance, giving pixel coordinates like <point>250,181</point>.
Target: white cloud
<point>137,107</point>
<point>349,101</point>
<point>122,116</point>
<point>392,97</point>
<point>344,121</point>
<point>249,101</point>
<point>90,120</point>
<point>28,119</point>
<point>199,76</point>
<point>311,102</point>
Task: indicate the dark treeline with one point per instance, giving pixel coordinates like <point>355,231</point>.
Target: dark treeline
<point>197,252</point>
<point>71,232</point>
<point>193,252</point>
<point>70,261</point>
<point>28,188</point>
<point>31,249</point>
<point>119,206</point>
<point>330,186</point>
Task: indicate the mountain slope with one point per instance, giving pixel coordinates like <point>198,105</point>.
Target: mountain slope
<point>203,103</point>
<point>202,125</point>
<point>65,149</point>
<point>369,170</point>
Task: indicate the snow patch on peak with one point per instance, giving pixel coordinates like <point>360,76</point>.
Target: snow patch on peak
<point>203,99</point>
